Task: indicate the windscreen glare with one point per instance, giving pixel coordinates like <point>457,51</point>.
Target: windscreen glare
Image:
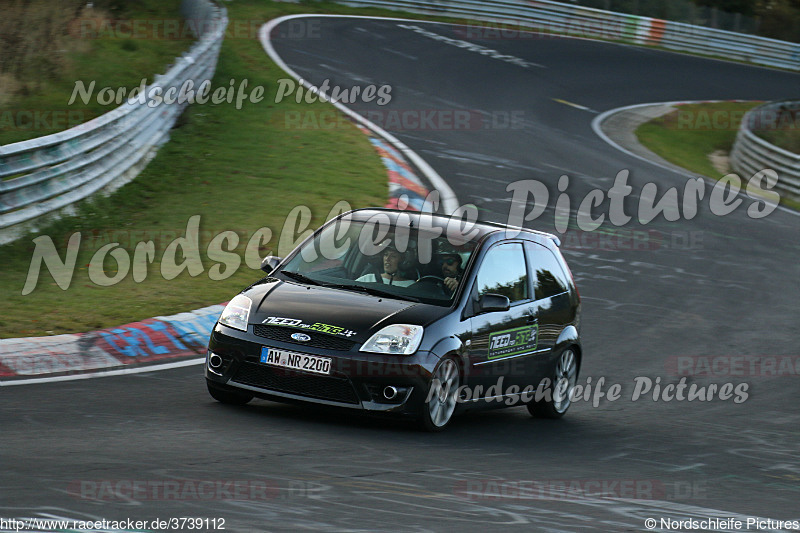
<point>399,260</point>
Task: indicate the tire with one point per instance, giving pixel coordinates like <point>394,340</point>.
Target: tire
<point>228,397</point>
<point>563,377</point>
<point>440,398</point>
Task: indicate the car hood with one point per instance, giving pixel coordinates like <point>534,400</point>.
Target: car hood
<point>339,312</point>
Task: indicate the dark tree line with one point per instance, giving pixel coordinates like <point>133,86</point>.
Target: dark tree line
<point>778,19</point>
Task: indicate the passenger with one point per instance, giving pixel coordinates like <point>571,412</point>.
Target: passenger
<point>392,261</point>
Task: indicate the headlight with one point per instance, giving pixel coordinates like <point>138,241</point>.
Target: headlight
<point>237,313</point>
<point>401,339</point>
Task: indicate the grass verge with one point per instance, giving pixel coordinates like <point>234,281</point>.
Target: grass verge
<point>116,56</point>
<point>787,138</point>
<point>240,170</point>
<point>687,136</point>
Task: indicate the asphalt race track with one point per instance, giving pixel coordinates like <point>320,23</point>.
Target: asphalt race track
<point>724,286</point>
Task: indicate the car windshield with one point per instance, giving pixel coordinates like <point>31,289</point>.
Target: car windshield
<point>385,260</point>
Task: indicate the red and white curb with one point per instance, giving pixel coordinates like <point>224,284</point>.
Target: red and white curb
<point>155,341</point>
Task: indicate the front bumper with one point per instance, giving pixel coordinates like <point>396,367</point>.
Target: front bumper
<point>357,380</point>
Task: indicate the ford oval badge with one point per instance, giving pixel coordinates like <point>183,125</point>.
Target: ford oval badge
<point>301,337</point>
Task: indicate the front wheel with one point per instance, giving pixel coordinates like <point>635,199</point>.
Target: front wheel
<point>228,397</point>
<point>441,398</point>
<point>559,397</point>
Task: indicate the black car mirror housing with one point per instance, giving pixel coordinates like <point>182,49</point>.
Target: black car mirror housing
<point>493,302</point>
<point>270,263</point>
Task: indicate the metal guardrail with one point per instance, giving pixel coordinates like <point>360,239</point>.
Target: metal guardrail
<point>751,153</point>
<point>45,175</point>
<point>545,15</point>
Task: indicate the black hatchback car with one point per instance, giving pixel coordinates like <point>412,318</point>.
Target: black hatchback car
<point>414,314</point>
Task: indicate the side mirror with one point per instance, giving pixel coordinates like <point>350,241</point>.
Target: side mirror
<point>270,263</point>
<point>493,302</point>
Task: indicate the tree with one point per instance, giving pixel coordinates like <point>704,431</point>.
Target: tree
<point>780,19</point>
<point>745,7</point>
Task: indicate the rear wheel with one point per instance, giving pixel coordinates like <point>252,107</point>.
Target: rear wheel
<point>564,377</point>
<point>441,397</point>
<point>228,397</point>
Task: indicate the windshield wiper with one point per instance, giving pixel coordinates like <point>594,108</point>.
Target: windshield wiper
<point>300,277</point>
<point>371,290</point>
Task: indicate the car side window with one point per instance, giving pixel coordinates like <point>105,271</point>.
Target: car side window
<point>503,272</point>
<point>549,277</point>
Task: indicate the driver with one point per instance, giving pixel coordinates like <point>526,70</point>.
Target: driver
<point>392,260</point>
<point>451,269</point>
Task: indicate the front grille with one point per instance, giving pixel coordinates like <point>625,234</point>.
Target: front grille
<point>278,379</point>
<point>318,340</point>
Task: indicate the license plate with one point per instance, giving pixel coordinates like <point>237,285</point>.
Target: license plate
<point>296,361</point>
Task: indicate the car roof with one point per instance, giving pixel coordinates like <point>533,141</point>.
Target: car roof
<point>436,220</point>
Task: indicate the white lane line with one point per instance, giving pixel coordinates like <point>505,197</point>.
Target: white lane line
<point>576,106</point>
<point>105,373</point>
<point>472,47</point>
<point>447,196</point>
<point>399,53</point>
<point>371,34</point>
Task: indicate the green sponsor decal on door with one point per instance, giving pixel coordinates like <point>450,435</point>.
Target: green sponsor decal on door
<point>513,341</point>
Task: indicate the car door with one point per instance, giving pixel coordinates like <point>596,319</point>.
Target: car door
<point>501,339</point>
<point>552,304</point>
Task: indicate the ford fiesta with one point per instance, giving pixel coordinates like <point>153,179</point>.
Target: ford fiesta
<point>412,314</point>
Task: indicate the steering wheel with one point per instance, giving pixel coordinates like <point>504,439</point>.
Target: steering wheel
<point>436,281</point>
